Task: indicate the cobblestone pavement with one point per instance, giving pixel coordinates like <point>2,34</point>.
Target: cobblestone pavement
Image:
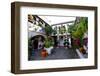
<point>57,53</point>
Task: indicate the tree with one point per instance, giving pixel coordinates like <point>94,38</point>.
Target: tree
<point>48,30</point>
<point>79,29</point>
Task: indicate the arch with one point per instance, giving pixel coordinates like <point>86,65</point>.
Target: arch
<point>36,39</point>
<point>37,36</point>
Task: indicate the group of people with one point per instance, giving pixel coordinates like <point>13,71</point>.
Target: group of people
<point>67,42</point>
<point>63,41</point>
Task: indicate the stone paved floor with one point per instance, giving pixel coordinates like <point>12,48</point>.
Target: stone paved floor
<point>57,53</point>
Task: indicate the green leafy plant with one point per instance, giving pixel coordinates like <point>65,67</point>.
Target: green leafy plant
<point>62,29</point>
<point>54,32</point>
<point>48,30</point>
<point>78,29</point>
<point>48,42</point>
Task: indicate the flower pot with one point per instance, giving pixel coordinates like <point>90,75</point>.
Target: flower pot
<point>82,50</point>
<point>44,53</point>
<point>49,50</point>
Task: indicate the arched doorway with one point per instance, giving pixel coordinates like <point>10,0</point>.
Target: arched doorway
<point>36,39</point>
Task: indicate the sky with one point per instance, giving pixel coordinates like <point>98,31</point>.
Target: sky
<point>57,19</point>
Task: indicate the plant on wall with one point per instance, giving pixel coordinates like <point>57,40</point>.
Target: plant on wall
<point>54,30</point>
<point>62,29</point>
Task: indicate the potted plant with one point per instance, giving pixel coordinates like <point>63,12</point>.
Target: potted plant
<point>78,29</point>
<point>44,53</point>
<point>48,45</point>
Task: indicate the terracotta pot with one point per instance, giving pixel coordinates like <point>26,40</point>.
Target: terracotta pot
<point>44,53</point>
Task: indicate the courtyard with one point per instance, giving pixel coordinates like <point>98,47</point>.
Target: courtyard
<point>54,37</point>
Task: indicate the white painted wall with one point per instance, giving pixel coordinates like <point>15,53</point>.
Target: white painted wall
<point>32,33</point>
<point>5,33</point>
